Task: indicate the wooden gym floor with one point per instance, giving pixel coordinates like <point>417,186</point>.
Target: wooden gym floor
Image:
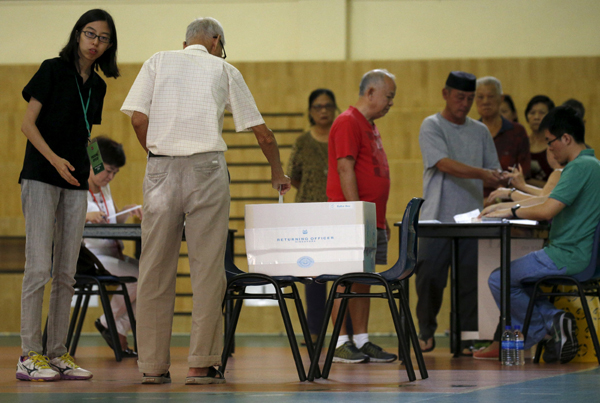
<point>262,371</point>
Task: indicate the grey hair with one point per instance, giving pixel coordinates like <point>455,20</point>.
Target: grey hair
<point>204,28</point>
<point>373,77</point>
<point>489,80</point>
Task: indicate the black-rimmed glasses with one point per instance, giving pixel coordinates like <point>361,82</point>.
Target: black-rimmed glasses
<point>327,107</point>
<point>92,36</point>
<point>223,54</point>
<point>552,141</point>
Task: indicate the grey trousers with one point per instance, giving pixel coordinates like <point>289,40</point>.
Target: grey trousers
<point>431,277</point>
<point>193,190</point>
<point>53,215</point>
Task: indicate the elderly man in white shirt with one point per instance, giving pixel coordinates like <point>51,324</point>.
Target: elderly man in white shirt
<point>176,106</point>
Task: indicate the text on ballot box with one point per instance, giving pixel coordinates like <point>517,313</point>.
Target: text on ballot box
<point>310,239</point>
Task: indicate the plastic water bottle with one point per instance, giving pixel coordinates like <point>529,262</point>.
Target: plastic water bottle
<point>507,349</point>
<point>519,346</point>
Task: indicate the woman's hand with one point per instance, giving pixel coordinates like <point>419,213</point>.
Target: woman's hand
<point>96,217</point>
<point>516,178</point>
<point>64,169</point>
<point>137,212</point>
<point>500,194</point>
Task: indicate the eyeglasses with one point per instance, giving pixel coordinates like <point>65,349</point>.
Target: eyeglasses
<point>92,36</point>
<point>552,141</point>
<point>223,54</point>
<point>327,107</point>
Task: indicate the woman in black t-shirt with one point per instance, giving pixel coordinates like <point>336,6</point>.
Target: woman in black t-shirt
<point>65,99</point>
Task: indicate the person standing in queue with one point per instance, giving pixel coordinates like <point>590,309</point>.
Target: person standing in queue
<point>177,104</point>
<point>65,99</point>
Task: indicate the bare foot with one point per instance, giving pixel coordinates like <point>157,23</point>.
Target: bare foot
<point>198,371</point>
<point>427,345</point>
<point>495,346</point>
<point>123,341</point>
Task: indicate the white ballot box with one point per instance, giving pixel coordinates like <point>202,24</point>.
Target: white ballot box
<point>309,239</point>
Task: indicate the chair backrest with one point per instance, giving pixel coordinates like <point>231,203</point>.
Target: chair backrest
<point>407,259</point>
<point>593,269</point>
<point>230,268</point>
<point>89,265</point>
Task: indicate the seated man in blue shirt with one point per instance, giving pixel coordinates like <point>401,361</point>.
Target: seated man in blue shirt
<point>575,212</point>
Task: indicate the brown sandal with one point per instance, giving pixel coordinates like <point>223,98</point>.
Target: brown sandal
<point>214,376</point>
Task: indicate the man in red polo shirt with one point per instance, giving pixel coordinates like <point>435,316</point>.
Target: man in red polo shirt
<point>359,171</point>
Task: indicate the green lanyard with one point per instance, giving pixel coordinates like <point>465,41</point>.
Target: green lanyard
<point>85,107</point>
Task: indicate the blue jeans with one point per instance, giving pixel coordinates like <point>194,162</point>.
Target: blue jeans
<point>524,272</point>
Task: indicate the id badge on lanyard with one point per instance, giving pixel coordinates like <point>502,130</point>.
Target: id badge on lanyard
<point>92,149</point>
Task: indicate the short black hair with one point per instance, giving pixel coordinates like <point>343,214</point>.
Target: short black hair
<point>509,101</point>
<point>108,61</point>
<point>577,105</point>
<point>539,99</point>
<point>112,152</point>
<point>316,93</point>
<point>564,119</point>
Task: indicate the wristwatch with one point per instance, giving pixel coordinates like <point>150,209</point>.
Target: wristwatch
<point>512,190</point>
<point>514,210</point>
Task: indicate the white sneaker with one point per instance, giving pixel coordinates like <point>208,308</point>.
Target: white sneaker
<point>68,369</point>
<point>35,368</point>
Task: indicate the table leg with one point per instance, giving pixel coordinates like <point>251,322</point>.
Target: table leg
<point>454,317</point>
<point>505,238</point>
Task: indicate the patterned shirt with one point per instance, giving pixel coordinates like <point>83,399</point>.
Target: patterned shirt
<point>308,165</point>
<point>185,94</point>
<point>512,145</point>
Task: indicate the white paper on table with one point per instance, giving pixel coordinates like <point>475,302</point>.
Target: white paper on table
<point>430,222</point>
<point>466,217</point>
<point>123,212</point>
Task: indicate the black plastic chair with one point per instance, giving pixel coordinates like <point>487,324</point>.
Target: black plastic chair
<point>237,281</point>
<point>97,275</point>
<point>587,284</point>
<point>392,280</point>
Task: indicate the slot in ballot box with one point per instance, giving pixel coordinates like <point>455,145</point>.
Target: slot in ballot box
<point>310,239</point>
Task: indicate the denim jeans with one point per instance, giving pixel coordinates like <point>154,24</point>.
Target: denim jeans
<point>53,216</point>
<point>524,272</point>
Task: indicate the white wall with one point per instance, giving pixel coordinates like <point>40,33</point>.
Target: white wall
<point>295,30</point>
<point>457,29</point>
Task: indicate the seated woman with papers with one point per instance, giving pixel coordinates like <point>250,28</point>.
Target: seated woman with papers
<point>521,192</point>
<point>102,209</point>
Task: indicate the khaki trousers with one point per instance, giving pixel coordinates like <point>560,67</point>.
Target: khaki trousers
<point>193,190</point>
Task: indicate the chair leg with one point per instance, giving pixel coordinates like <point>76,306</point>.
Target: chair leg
<point>527,320</point>
<point>303,323</point>
<point>314,361</point>
<point>336,332</point>
<point>80,319</point>
<point>402,342</point>
<point>290,333</point>
<point>73,320</point>
<point>110,321</point>
<point>590,323</point>
<point>230,334</point>
<point>538,351</point>
<point>45,338</point>
<point>130,313</point>
<point>403,301</point>
<point>228,310</point>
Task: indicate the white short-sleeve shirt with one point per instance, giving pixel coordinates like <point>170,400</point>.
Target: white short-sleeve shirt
<point>185,94</point>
